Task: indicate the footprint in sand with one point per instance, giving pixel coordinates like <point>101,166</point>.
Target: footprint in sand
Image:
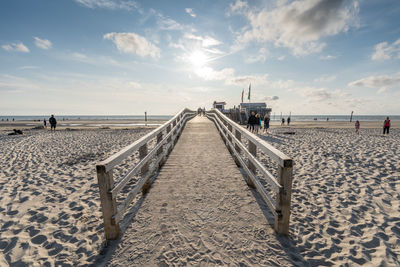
<point>40,218</point>
<point>12,212</point>
<point>39,239</point>
<point>32,231</point>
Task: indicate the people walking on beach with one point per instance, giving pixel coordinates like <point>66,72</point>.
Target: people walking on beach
<point>357,126</point>
<point>386,126</point>
<point>266,123</point>
<point>288,121</point>
<point>53,123</point>
<point>283,121</point>
<point>252,121</point>
<point>45,123</point>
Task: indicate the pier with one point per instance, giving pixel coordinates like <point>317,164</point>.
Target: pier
<point>205,193</point>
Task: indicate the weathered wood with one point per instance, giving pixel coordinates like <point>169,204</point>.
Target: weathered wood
<point>108,193</point>
<point>108,203</point>
<point>260,188</point>
<point>161,149</point>
<point>143,153</point>
<point>238,136</point>
<point>270,178</point>
<point>283,200</point>
<point>118,157</point>
<point>276,155</point>
<point>252,148</point>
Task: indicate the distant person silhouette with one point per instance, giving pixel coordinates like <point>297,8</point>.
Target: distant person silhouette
<point>252,121</point>
<point>357,126</point>
<point>386,126</point>
<point>266,123</point>
<point>288,121</point>
<point>53,123</point>
<point>283,121</point>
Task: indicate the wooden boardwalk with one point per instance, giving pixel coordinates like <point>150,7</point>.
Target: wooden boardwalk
<point>200,211</point>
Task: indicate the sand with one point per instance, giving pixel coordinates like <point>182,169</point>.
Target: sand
<point>50,212</point>
<point>346,195</point>
<point>345,206</point>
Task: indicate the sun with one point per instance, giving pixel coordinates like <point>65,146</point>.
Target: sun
<point>198,59</point>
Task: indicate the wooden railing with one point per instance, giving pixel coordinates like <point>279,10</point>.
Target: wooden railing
<point>150,160</point>
<point>232,134</point>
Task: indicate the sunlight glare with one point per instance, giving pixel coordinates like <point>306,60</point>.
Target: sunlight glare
<point>198,59</point>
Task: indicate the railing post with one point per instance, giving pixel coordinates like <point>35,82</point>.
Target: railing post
<point>108,203</point>
<point>253,150</point>
<point>229,138</point>
<point>143,153</point>
<point>169,138</point>
<point>161,149</point>
<point>238,136</point>
<point>283,198</point>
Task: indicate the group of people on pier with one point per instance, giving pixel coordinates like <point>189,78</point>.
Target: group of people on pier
<point>254,123</point>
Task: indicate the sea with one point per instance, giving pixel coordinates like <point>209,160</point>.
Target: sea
<point>167,117</point>
<point>87,117</point>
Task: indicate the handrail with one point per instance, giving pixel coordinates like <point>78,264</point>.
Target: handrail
<point>253,159</point>
<point>265,147</point>
<point>115,159</point>
<point>166,136</point>
<point>232,134</point>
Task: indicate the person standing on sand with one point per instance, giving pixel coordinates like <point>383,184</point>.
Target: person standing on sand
<point>45,123</point>
<point>53,123</point>
<point>283,121</point>
<point>266,123</point>
<point>252,121</point>
<point>357,126</point>
<point>386,125</point>
<point>288,121</point>
<point>258,123</point>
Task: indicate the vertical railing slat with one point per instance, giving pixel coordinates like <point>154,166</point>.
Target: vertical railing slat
<point>108,203</point>
<point>283,200</point>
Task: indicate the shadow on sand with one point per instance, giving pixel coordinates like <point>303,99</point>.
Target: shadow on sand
<point>110,246</point>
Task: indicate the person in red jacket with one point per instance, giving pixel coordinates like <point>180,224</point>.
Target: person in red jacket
<point>386,126</point>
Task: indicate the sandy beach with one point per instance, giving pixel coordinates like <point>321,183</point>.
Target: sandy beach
<point>345,202</point>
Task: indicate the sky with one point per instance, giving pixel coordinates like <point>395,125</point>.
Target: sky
<point>124,57</point>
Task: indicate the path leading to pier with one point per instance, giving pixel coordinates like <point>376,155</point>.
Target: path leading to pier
<point>200,211</point>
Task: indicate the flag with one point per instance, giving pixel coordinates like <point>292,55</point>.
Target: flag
<point>242,95</point>
<point>248,96</point>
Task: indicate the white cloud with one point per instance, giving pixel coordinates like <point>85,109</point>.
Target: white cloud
<point>238,7</point>
<point>325,78</point>
<point>9,83</point>
<point>261,56</point>
<point>209,74</point>
<point>384,51</point>
<point>190,12</point>
<point>135,85</point>
<point>271,98</point>
<point>17,47</point>
<point>109,4</point>
<point>133,44</point>
<point>169,24</point>
<point>28,67</point>
<point>205,41</point>
<point>381,82</point>
<point>42,43</point>
<point>79,56</point>
<point>315,94</point>
<point>297,25</point>
<point>327,57</point>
